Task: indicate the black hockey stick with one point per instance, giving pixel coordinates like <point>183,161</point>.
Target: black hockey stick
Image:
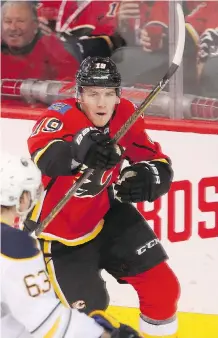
<point>138,112</point>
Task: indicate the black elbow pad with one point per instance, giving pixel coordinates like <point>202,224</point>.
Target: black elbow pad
<point>56,160</point>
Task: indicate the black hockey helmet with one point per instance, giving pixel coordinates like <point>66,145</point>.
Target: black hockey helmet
<point>98,71</point>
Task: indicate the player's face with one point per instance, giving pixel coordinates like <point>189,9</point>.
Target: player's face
<point>98,104</point>
<point>26,200</point>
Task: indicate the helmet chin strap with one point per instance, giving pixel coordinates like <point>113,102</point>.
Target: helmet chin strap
<point>77,93</point>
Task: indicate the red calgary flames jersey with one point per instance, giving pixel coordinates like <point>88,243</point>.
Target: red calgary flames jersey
<point>48,59</point>
<point>96,17</point>
<point>80,220</point>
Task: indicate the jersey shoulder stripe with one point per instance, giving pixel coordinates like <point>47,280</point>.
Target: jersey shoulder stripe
<point>16,244</point>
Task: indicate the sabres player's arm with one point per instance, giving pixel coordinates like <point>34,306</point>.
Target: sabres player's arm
<point>150,174</point>
<point>58,151</point>
<point>29,305</point>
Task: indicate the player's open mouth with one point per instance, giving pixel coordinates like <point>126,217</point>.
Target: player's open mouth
<point>101,114</point>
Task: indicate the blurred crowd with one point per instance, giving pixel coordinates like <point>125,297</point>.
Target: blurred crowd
<point>47,40</point>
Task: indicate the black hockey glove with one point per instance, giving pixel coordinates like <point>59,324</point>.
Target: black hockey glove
<point>116,329</point>
<point>95,149</point>
<point>208,44</point>
<point>30,226</point>
<point>144,181</point>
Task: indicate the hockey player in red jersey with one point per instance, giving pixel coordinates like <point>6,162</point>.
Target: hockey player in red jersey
<point>98,229</point>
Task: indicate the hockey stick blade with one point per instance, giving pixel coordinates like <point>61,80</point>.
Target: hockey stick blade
<point>138,112</point>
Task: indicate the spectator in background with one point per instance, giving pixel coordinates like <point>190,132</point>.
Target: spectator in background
<point>208,63</point>
<point>26,53</point>
<point>147,20</point>
<point>144,24</point>
<point>202,24</point>
<point>86,28</point>
<point>132,18</point>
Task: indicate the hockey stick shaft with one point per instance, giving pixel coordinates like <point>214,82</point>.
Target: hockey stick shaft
<point>123,130</point>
